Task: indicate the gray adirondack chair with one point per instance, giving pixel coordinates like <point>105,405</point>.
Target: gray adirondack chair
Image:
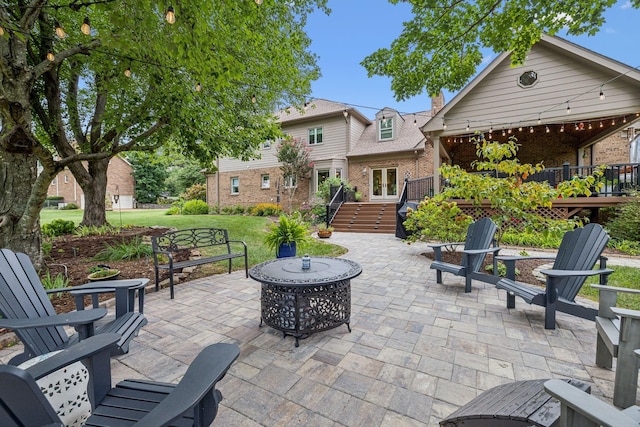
<point>192,402</point>
<point>578,253</point>
<point>580,409</point>
<point>26,309</point>
<point>480,237</point>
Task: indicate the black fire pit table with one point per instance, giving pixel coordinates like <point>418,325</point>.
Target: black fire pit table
<point>300,301</point>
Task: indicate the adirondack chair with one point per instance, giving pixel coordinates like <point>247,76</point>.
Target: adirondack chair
<point>192,402</point>
<point>577,255</point>
<point>618,332</point>
<point>579,409</point>
<point>26,309</point>
<point>480,236</point>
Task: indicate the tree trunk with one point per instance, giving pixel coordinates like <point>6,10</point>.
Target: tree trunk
<point>94,186</point>
<point>19,231</point>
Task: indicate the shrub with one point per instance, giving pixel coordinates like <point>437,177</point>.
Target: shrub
<point>226,210</point>
<point>54,282</point>
<point>238,210</point>
<point>69,206</point>
<point>135,249</point>
<point>444,222</point>
<point>58,227</point>
<point>195,207</point>
<point>625,225</point>
<point>173,210</point>
<point>324,190</point>
<point>94,230</point>
<point>195,192</point>
<point>266,209</point>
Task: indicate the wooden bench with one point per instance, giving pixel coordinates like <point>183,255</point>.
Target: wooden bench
<point>519,403</point>
<point>612,343</point>
<point>188,240</point>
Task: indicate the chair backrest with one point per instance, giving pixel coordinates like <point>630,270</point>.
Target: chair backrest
<point>22,296</point>
<point>580,250</point>
<point>480,235</point>
<point>22,402</point>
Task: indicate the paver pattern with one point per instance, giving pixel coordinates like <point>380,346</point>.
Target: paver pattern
<point>417,352</point>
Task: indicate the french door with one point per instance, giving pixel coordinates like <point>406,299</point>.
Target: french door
<point>384,183</point>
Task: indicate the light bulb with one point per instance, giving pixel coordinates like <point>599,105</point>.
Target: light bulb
<point>415,122</point>
<point>198,87</point>
<point>258,2</point>
<point>60,31</point>
<point>613,122</point>
<point>444,124</point>
<point>170,16</point>
<point>86,26</point>
<point>531,129</point>
<point>1,30</point>
<point>539,119</point>
<point>601,95</point>
<point>562,128</point>
<point>467,126</point>
<point>590,126</point>
<point>254,100</point>
<point>568,108</point>
<point>51,57</point>
<point>601,125</point>
<point>546,129</point>
<point>503,132</point>
<point>127,72</point>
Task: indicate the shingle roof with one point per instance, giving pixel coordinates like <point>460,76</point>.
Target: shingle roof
<point>408,138</point>
<point>317,108</point>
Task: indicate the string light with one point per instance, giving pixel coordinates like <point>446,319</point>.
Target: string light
<point>170,16</point>
<point>562,128</point>
<point>613,122</point>
<point>59,30</point>
<point>254,100</point>
<point>590,126</point>
<point>601,93</point>
<point>127,72</point>
<point>51,57</point>
<point>468,125</point>
<point>444,124</point>
<point>531,129</point>
<point>546,129</point>
<point>539,118</point>
<point>601,125</point>
<point>1,30</point>
<point>258,2</point>
<point>503,132</point>
<point>198,87</point>
<point>415,122</point>
<point>568,108</point>
<point>86,26</point>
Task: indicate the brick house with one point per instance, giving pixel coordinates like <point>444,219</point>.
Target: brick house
<point>373,156</point>
<point>120,186</point>
<point>552,104</point>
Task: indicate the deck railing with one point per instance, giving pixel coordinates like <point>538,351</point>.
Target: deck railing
<point>617,179</point>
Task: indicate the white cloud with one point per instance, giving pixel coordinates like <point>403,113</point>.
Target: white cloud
<point>610,31</point>
<point>626,5</point>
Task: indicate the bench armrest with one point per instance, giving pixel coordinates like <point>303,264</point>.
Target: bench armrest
<point>238,241</point>
<point>209,367</point>
<point>74,318</point>
<point>575,401</point>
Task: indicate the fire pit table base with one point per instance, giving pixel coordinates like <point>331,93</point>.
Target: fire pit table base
<point>299,302</point>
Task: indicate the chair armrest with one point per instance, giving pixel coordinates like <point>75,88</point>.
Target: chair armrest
<point>603,288</point>
<point>521,257</point>
<point>569,273</point>
<point>481,251</point>
<point>586,405</point>
<point>439,245</point>
<point>73,318</point>
<point>625,312</point>
<point>201,377</point>
<point>82,350</point>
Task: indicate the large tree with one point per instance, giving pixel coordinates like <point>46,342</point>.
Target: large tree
<point>132,81</point>
<point>440,48</point>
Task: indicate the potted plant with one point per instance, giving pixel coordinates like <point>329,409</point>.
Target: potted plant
<point>286,234</point>
<point>324,231</point>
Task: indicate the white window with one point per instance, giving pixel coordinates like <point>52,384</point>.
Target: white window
<point>265,181</point>
<point>386,128</point>
<point>54,181</point>
<point>66,179</point>
<point>338,172</point>
<point>290,182</point>
<point>235,185</point>
<point>315,136</point>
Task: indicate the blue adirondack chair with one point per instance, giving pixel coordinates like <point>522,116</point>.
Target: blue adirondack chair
<point>578,253</point>
<point>192,402</point>
<point>480,237</point>
<point>26,309</point>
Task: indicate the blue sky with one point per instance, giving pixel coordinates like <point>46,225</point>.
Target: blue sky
<point>357,28</point>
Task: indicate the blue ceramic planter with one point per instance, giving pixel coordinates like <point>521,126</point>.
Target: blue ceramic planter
<point>286,250</point>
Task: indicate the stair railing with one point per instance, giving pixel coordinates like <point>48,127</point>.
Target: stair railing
<point>336,201</point>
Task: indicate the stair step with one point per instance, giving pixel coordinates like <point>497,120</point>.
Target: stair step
<point>366,218</point>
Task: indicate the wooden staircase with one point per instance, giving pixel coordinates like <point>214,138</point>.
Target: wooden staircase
<point>366,218</point>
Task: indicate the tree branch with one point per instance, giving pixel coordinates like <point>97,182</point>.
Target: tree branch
<point>47,65</point>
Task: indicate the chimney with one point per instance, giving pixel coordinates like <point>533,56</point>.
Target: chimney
<point>437,102</point>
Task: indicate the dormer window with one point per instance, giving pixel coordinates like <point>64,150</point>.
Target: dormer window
<point>386,128</point>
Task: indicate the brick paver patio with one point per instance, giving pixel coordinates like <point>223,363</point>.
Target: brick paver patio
<point>417,352</point>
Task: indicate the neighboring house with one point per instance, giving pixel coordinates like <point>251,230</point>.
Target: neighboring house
<point>375,156</point>
<point>120,186</point>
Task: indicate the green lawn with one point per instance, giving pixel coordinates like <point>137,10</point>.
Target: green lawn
<point>250,229</point>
